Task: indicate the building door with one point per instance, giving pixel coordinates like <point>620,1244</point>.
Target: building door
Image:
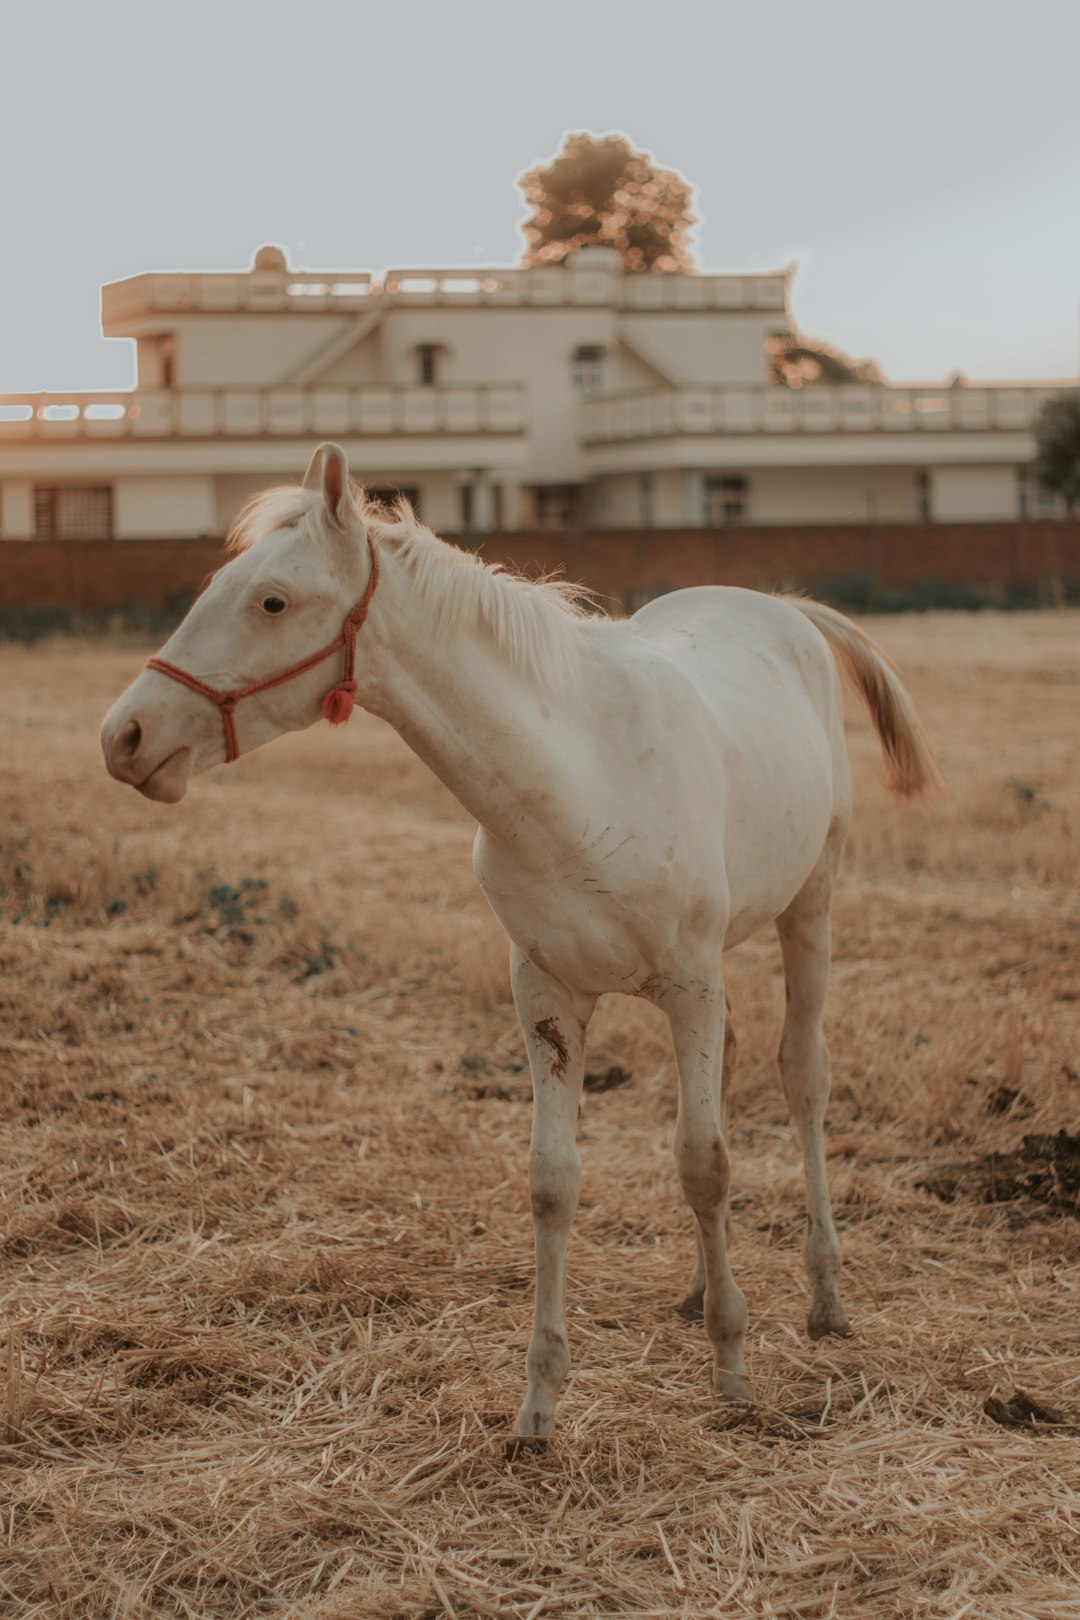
<point>73,512</point>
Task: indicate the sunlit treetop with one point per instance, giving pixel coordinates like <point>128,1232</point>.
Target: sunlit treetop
<point>600,192</point>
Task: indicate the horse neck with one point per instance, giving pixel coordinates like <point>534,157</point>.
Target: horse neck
<point>489,731</point>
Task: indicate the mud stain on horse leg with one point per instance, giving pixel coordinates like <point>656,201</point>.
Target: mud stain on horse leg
<point>548,1031</point>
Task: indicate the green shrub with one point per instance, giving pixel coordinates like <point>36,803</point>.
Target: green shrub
<point>37,620</point>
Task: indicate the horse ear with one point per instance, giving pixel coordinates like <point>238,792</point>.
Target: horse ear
<point>328,472</point>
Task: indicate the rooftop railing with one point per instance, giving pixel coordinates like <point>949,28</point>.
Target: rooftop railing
<point>258,291</point>
<point>848,408</point>
<point>257,413</point>
<point>308,291</point>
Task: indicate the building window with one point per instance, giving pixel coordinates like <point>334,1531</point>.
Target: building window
<point>725,501</point>
<point>556,506</point>
<point>390,494</point>
<point>588,368</point>
<point>73,512</point>
<point>1048,504</point>
<point>167,362</point>
<point>427,364</point>
<point>922,496</point>
<point>645,501</point>
<point>1034,500</point>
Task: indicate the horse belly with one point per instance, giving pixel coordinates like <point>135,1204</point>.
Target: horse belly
<point>779,812</point>
<point>771,686</point>
<point>604,925</point>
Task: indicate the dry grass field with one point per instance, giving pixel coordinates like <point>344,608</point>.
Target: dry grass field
<point>266,1245</point>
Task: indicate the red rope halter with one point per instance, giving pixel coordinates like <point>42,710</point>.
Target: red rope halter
<point>337,705</point>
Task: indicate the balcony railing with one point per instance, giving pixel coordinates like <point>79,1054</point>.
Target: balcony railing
<point>821,409</point>
<point>272,412</point>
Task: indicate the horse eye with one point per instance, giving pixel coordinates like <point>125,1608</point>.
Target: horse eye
<point>273,604</point>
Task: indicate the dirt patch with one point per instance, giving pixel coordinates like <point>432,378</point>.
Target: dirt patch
<point>1022,1411</point>
<point>1045,1168</point>
<point>609,1080</point>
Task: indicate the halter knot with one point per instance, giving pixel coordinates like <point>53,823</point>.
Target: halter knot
<point>338,702</point>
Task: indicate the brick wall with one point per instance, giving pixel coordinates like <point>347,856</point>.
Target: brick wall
<point>92,574</point>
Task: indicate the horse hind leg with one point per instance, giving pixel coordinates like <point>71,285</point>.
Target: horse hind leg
<point>697,1027</point>
<point>806,945</point>
<point>693,1306</point>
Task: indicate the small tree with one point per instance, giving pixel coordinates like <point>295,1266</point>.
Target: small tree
<point>598,191</point>
<point>1057,447</point>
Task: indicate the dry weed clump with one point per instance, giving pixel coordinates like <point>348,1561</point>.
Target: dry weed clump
<point>264,1231</point>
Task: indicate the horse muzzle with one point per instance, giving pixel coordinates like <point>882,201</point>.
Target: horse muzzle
<point>131,758</point>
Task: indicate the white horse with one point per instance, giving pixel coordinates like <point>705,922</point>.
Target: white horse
<point>649,792</point>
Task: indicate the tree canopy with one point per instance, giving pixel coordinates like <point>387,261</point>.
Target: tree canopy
<point>795,361</point>
<point>1057,447</point>
<point>598,191</point>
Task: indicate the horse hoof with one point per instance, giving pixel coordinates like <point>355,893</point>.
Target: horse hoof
<point>732,1386</point>
<point>520,1443</point>
<point>692,1308</point>
<point>822,1324</point>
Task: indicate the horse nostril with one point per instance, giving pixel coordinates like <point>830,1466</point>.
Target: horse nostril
<point>129,739</point>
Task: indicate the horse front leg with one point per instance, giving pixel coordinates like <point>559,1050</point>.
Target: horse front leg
<point>553,1021</point>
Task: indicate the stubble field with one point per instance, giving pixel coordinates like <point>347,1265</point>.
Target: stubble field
<point>266,1248</point>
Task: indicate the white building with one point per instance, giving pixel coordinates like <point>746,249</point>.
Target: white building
<point>568,396</point>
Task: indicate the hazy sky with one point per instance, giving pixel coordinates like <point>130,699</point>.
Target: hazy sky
<point>920,161</point>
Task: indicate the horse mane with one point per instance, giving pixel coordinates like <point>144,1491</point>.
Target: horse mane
<point>536,622</point>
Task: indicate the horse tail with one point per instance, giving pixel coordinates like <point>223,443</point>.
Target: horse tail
<point>910,767</point>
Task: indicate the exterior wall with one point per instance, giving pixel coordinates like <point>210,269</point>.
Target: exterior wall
<point>707,348</point>
<point>625,370</point>
<point>440,500</point>
<point>254,351</point>
<point>146,508</point>
<point>970,494</point>
<point>775,495</point>
<point>616,503</point>
<point>835,495</point>
<point>677,499</point>
<point>626,567</point>
<point>362,363</point>
<point>17,509</point>
<point>148,363</point>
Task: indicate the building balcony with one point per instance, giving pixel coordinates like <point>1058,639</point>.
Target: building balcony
<point>259,414</point>
<point>847,408</point>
